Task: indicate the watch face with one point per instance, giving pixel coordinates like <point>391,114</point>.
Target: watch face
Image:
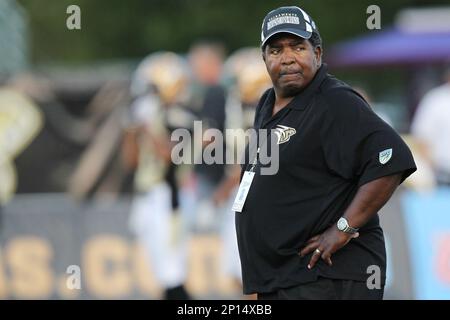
<point>342,224</point>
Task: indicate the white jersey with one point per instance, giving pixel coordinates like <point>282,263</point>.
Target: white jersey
<point>146,111</point>
<point>431,125</point>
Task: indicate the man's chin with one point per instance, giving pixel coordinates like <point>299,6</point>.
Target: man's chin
<point>291,90</point>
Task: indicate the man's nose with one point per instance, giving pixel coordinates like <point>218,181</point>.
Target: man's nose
<point>287,57</point>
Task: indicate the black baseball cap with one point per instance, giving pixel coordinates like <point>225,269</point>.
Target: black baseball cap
<point>291,19</point>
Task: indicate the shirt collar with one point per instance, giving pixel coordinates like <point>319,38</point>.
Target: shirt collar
<point>302,100</point>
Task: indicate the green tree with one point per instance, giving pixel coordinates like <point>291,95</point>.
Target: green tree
<point>133,28</point>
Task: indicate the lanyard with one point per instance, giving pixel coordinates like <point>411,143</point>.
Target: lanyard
<point>255,161</point>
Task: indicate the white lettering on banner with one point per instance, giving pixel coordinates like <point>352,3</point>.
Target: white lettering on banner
<point>113,267</point>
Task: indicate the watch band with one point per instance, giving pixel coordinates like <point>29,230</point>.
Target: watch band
<point>343,226</point>
<point>349,229</point>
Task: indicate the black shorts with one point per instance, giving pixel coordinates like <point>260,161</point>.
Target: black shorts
<point>326,289</point>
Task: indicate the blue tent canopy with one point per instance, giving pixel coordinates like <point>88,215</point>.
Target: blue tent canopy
<point>391,47</point>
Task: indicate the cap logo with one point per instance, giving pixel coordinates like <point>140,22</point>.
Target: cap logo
<point>282,19</point>
<point>287,19</point>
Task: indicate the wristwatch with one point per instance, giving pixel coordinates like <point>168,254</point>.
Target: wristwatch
<point>343,226</point>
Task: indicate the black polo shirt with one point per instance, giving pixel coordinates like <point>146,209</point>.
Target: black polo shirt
<point>335,150</point>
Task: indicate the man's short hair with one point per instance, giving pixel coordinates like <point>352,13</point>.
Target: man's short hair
<point>315,40</point>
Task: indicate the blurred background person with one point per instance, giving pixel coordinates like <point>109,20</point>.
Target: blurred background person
<point>160,85</point>
<point>247,78</point>
<point>20,122</point>
<point>208,102</point>
<point>431,127</point>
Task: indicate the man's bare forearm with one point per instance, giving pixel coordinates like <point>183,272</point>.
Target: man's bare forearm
<point>370,198</point>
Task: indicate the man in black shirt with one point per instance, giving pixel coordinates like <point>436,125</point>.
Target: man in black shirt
<point>208,101</point>
<point>311,230</point>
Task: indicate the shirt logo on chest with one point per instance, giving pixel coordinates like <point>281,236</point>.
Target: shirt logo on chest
<point>284,133</point>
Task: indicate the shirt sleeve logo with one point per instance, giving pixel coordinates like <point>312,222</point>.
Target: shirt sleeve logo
<point>385,156</point>
<point>284,133</point>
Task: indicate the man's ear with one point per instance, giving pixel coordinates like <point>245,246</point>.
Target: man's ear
<point>263,55</point>
<point>318,55</point>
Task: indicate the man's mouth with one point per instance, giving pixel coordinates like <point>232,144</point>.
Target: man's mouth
<point>290,72</point>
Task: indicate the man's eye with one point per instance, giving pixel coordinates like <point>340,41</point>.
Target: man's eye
<point>300,48</point>
<point>274,51</point>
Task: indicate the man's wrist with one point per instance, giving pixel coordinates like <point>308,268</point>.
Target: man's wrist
<point>345,227</point>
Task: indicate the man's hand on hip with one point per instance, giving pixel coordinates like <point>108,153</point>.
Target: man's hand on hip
<point>325,244</point>
<point>369,198</point>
